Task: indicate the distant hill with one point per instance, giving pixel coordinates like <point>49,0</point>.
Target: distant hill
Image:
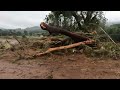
<point>2,28</point>
<point>34,29</point>
<point>31,30</point>
<point>111,23</point>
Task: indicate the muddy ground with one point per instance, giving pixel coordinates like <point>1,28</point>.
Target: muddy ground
<point>66,66</point>
<point>70,66</point>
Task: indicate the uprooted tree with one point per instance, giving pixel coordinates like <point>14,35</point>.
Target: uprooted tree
<point>86,21</point>
<point>69,24</point>
<point>78,39</point>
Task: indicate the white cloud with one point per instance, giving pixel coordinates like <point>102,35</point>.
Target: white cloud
<point>112,16</point>
<point>21,19</point>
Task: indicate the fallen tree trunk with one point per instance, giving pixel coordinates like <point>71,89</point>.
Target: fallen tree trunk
<point>88,42</point>
<point>74,36</point>
<point>78,39</point>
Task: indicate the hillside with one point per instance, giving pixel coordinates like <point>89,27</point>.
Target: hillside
<point>32,30</point>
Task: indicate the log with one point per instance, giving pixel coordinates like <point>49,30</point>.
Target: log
<point>64,47</point>
<point>74,36</point>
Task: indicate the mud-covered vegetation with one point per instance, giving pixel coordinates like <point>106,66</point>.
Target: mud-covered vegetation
<point>88,26</point>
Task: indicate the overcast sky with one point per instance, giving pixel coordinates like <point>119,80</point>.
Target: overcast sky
<point>23,19</point>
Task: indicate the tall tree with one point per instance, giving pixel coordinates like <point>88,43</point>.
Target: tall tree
<point>77,20</point>
<point>25,32</point>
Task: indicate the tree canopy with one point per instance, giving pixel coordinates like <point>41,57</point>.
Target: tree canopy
<point>76,20</point>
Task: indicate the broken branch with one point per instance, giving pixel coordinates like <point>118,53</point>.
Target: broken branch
<point>65,47</point>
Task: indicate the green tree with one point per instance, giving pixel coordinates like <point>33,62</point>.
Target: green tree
<point>25,32</point>
<point>18,33</point>
<point>76,20</point>
<point>1,31</point>
<point>114,31</point>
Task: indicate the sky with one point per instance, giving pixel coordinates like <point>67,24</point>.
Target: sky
<point>112,16</point>
<point>24,19</point>
<point>21,19</point>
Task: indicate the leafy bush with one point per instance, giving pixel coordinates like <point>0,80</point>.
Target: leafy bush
<point>108,49</point>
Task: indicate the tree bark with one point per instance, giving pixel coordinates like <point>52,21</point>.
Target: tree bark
<point>88,17</point>
<point>74,36</point>
<point>64,47</point>
<point>77,18</point>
